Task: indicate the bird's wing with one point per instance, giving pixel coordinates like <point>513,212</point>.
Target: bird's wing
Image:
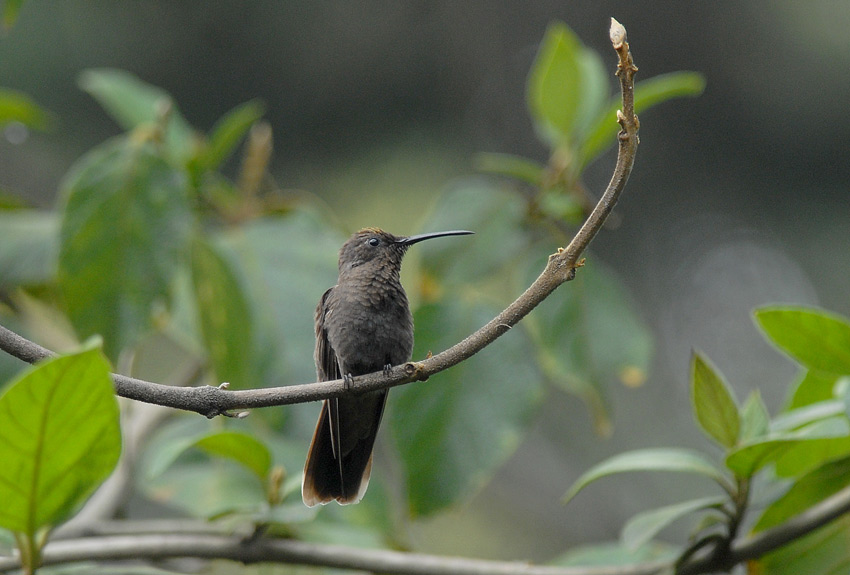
<point>327,369</point>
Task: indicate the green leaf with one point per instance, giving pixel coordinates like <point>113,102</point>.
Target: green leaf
<point>822,552</point>
<point>812,387</point>
<point>747,459</point>
<point>454,431</point>
<point>229,131</point>
<point>512,166</point>
<point>714,406</point>
<point>589,335</point>
<point>286,264</point>
<point>132,103</point>
<point>59,439</point>
<point>567,86</point>
<point>754,417</point>
<point>663,459</point>
<point>494,215</point>
<point>648,93</point>
<point>797,418</point>
<point>804,457</point>
<point>18,107</point>
<point>182,477</point>
<point>809,490</point>
<point>816,338</point>
<point>205,490</point>
<point>226,318</point>
<point>643,527</point>
<point>241,448</point>
<point>28,252</point>
<point>125,229</point>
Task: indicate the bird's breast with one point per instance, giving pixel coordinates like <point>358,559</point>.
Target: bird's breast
<point>369,326</point>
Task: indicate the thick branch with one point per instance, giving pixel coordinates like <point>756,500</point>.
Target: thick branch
<point>288,551</point>
<point>200,540</point>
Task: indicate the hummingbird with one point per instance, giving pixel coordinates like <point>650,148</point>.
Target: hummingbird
<point>363,325</point>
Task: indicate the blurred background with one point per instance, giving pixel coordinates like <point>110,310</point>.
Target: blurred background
<point>739,198</point>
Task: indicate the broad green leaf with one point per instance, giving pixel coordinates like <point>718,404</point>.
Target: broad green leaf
<point>59,439</point>
<point>183,477</point>
<point>797,418</point>
<point>807,456</point>
<point>643,527</point>
<point>287,264</point>
<point>124,233</point>
<point>553,92</point>
<point>28,252</point>
<point>240,447</point>
<point>132,103</point>
<point>206,490</point>
<point>11,9</point>
<point>754,417</point>
<point>822,552</point>
<point>496,217</point>
<point>567,87</point>
<point>648,93</point>
<point>226,318</point>
<point>589,335</point>
<point>454,431</point>
<point>18,107</point>
<point>714,406</point>
<point>747,459</point>
<point>812,387</point>
<point>512,166</point>
<point>663,459</point>
<point>229,131</point>
<point>816,338</point>
<point>810,489</point>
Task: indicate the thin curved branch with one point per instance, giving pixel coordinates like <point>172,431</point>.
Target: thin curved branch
<point>213,401</point>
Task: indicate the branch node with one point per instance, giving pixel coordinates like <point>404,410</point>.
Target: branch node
<point>414,369</point>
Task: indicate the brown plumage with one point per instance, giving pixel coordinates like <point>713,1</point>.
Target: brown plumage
<point>363,325</point>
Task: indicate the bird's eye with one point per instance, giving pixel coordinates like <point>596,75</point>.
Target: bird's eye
<point>374,242</point>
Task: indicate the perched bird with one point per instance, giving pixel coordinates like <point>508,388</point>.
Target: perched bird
<point>363,325</point>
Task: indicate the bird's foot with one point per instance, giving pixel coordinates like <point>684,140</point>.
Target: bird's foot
<point>347,381</point>
<point>388,368</point>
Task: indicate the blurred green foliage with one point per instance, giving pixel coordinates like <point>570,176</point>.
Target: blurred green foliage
<point>151,244</point>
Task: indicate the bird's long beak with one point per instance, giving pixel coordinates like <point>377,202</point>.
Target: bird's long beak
<point>418,238</point>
